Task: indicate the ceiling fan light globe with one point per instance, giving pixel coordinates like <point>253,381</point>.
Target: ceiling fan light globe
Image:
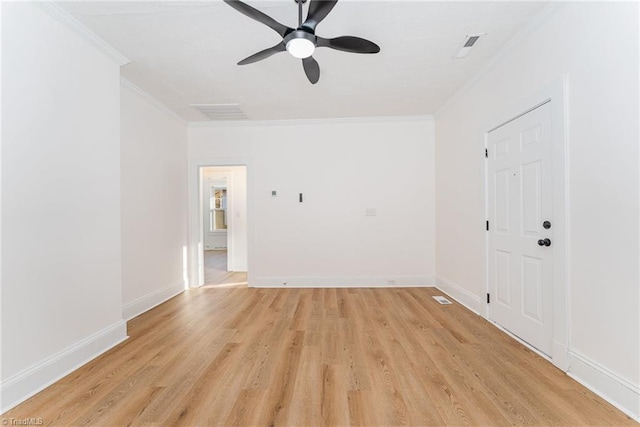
<point>300,48</point>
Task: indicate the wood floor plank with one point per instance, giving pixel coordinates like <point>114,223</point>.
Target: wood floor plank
<point>379,363</point>
<point>177,377</point>
<point>282,384</point>
<point>243,412</point>
<point>334,405</point>
<point>235,356</point>
<point>305,408</point>
<point>196,407</point>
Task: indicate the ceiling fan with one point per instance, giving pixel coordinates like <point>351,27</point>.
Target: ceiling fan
<point>302,41</point>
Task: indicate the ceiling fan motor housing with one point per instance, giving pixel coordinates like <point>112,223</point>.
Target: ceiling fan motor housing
<point>300,43</point>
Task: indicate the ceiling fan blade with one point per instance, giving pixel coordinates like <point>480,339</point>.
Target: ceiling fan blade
<point>311,69</point>
<point>318,10</point>
<point>349,44</point>
<point>254,13</point>
<point>263,54</point>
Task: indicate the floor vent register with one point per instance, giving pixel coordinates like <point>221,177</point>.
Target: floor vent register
<point>442,300</point>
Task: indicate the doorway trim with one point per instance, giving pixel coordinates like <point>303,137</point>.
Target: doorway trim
<point>195,237</point>
<point>557,94</point>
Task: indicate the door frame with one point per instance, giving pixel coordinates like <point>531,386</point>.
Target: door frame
<point>557,94</point>
<point>196,219</point>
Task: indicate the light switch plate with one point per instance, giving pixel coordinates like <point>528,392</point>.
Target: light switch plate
<point>370,212</point>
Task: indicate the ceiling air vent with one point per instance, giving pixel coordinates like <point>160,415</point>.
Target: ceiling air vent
<point>221,111</point>
<point>471,41</point>
<point>468,44</point>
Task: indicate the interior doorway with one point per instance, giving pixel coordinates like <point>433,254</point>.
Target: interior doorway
<point>224,225</point>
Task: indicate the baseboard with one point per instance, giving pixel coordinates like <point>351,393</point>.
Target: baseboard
<point>458,293</point>
<point>611,387</point>
<point>21,386</point>
<point>344,282</point>
<point>149,301</point>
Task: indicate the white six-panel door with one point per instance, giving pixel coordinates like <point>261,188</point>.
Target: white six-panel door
<point>519,173</point>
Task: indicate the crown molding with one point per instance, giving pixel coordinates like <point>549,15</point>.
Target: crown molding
<point>294,122</point>
<point>150,99</point>
<point>82,30</point>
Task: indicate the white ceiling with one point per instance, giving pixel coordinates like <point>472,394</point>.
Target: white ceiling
<point>186,53</point>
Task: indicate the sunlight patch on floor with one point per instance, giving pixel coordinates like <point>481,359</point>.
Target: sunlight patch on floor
<point>227,285</point>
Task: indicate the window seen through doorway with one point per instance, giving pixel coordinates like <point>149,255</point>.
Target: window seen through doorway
<point>218,209</point>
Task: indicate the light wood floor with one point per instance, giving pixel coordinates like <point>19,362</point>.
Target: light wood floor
<point>245,357</point>
<point>215,271</point>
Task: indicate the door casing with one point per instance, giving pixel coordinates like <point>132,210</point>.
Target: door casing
<point>194,251</point>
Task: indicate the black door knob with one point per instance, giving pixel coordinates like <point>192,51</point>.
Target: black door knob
<point>544,242</point>
<point>546,225</point>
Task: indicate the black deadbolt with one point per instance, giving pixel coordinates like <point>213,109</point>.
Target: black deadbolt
<point>546,225</point>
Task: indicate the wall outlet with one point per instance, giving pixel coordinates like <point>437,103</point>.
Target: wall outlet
<point>391,282</point>
<point>370,212</point>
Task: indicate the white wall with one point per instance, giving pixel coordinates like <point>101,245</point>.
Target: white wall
<point>237,251</point>
<point>596,46</point>
<point>342,168</point>
<point>154,202</point>
<point>61,276</point>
